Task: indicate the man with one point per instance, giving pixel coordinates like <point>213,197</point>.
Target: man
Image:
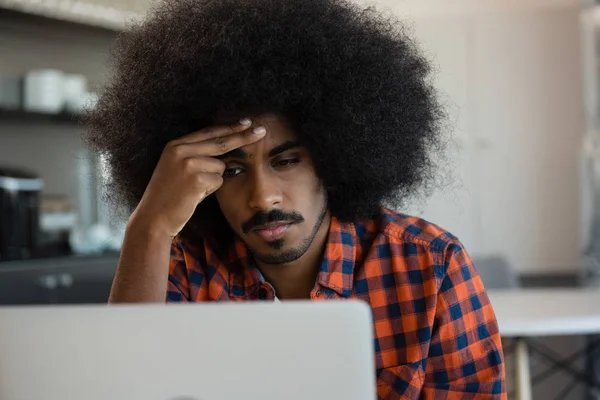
<point>256,144</point>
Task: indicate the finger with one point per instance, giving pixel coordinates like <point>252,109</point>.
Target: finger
<point>216,131</point>
<point>210,182</point>
<point>202,164</point>
<point>224,144</point>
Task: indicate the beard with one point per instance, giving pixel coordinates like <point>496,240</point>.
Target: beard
<point>288,255</point>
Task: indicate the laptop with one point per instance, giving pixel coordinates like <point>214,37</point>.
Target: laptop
<point>220,351</point>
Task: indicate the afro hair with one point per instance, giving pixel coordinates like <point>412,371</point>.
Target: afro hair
<point>351,82</point>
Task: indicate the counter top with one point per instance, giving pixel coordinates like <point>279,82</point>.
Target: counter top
<point>86,264</point>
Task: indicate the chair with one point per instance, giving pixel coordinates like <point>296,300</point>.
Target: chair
<point>496,273</point>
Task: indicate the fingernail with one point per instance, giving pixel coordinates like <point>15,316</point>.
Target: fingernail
<point>245,121</point>
<point>259,130</point>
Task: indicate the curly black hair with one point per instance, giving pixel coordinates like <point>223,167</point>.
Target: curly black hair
<point>350,81</point>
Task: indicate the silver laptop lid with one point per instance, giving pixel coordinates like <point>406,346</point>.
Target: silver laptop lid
<point>252,351</point>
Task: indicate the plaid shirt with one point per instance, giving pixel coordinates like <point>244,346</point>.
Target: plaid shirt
<point>435,333</point>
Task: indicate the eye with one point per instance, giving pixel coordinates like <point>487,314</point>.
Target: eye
<point>286,162</point>
<point>231,172</point>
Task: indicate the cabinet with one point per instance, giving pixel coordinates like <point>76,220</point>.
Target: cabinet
<point>62,280</point>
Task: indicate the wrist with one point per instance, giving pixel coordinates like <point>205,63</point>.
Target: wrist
<point>148,229</point>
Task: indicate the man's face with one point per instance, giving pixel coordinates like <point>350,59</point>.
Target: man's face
<point>271,195</point>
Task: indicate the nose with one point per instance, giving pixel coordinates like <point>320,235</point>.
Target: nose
<point>265,193</point>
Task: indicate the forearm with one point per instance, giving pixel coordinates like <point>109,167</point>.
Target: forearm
<point>143,268</point>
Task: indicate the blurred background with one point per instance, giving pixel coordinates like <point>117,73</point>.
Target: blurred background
<point>520,79</point>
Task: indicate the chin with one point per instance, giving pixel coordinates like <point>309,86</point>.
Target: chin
<point>279,257</point>
<point>277,251</point>
<point>273,247</point>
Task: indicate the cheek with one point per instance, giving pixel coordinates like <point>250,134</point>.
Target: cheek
<point>302,180</point>
<point>306,195</point>
<point>229,204</point>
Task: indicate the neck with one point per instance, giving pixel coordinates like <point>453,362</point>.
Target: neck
<point>296,279</point>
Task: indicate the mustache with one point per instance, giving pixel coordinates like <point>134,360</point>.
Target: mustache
<point>261,218</point>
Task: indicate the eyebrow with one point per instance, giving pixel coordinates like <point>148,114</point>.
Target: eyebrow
<point>283,147</point>
<point>239,153</point>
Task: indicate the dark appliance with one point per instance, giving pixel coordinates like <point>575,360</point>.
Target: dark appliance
<point>19,212</point>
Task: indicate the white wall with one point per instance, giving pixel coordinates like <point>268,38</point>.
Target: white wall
<point>512,70</point>
<point>529,111</point>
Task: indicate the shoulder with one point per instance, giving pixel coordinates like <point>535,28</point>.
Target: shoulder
<point>191,255</point>
<point>184,248</point>
<point>197,254</point>
<point>401,242</point>
<point>396,227</point>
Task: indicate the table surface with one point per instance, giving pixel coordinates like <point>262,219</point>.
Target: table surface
<point>546,312</point>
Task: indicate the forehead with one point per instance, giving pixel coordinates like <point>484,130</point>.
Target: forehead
<point>278,129</point>
<point>278,133</point>
<point>279,138</point>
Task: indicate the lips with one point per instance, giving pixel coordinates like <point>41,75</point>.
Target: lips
<point>272,231</point>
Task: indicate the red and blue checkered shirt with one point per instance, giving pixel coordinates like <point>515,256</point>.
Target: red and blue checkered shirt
<point>435,332</point>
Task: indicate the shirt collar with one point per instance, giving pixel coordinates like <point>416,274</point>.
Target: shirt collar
<point>339,259</point>
<point>336,272</point>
